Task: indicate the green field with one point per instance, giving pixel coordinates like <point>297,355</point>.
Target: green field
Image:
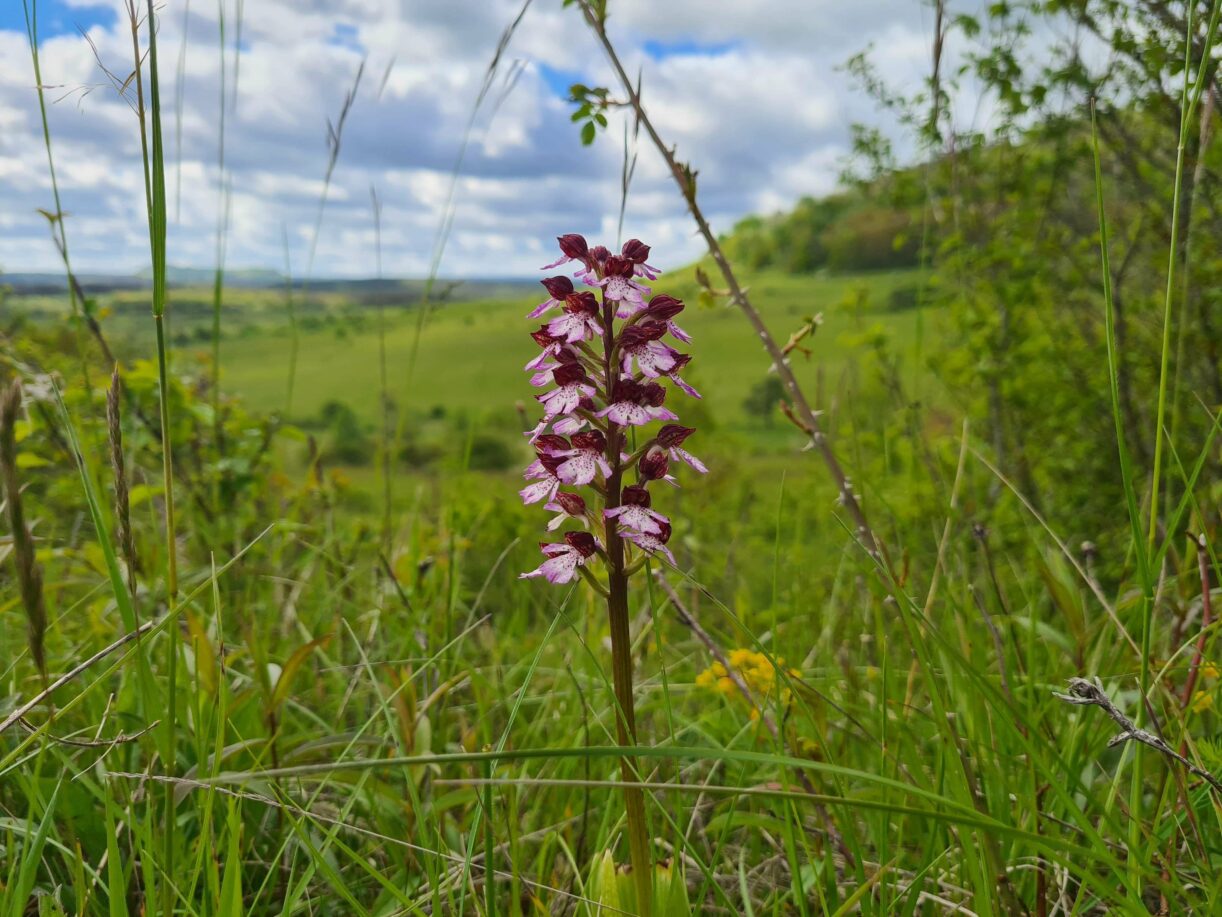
<point>470,355</point>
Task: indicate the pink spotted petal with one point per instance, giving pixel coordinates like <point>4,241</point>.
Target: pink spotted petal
<point>678,333</point>
<point>683,386</point>
<point>542,307</point>
<point>684,456</point>
<point>540,490</point>
<point>626,413</point>
<point>579,470</point>
<point>567,426</point>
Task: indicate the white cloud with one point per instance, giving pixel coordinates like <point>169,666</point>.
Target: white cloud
<point>763,116</point>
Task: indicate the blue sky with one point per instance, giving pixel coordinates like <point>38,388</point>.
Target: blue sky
<point>750,93</point>
<point>54,17</point>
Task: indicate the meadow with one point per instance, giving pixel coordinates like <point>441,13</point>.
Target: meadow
<point>934,634</point>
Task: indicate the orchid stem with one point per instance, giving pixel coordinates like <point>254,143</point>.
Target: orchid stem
<point>621,652</point>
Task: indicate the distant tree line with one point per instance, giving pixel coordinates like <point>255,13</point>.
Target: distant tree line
<point>848,231</point>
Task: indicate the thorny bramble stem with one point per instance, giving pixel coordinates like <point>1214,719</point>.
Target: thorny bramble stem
<point>585,434</point>
<point>685,179</point>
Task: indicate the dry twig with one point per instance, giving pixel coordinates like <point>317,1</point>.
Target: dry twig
<point>1085,693</point>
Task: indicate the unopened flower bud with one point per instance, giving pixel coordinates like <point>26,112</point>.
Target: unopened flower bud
<point>653,464</point>
<point>573,246</point>
<point>572,504</point>
<point>663,307</point>
<point>557,287</point>
<point>635,250</point>
<point>673,435</point>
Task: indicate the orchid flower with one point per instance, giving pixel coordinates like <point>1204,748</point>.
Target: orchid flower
<point>605,365</point>
<point>564,559</point>
<point>609,364</point>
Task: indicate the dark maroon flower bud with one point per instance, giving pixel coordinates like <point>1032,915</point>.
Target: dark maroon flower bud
<point>635,250</point>
<point>571,503</point>
<point>653,331</point>
<point>567,355</point>
<point>586,403</point>
<point>626,390</point>
<point>569,373</point>
<point>653,394</point>
<point>573,246</point>
<point>653,464</point>
<point>673,435</point>
<point>551,462</point>
<point>590,439</point>
<point>584,301</point>
<point>664,307</point>
<point>664,535</point>
<point>617,267</point>
<point>599,254</point>
<point>550,443</point>
<point>543,338</point>
<point>681,360</point>
<point>557,287</point>
<point>583,541</point>
<point>635,495</point>
<point>634,336</point>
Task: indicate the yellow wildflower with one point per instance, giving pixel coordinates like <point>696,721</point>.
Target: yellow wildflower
<point>1202,701</point>
<point>1209,670</point>
<point>757,671</point>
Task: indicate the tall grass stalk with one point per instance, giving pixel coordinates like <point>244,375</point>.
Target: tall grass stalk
<point>335,139</point>
<point>154,184</point>
<point>387,410</point>
<point>1128,481</point>
<point>222,215</point>
<point>81,312</point>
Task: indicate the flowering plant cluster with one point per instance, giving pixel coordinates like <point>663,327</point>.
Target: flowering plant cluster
<point>606,364</point>
<point>757,672</point>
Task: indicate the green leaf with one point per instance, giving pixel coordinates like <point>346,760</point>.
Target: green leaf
<point>587,133</point>
<point>284,683</point>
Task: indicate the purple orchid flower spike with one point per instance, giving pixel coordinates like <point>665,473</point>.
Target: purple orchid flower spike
<point>563,560</point>
<point>605,363</point>
<point>611,368</point>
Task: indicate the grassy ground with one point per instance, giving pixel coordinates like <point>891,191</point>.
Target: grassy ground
<point>342,702</point>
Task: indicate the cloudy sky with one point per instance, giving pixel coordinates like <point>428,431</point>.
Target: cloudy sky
<point>749,90</point>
